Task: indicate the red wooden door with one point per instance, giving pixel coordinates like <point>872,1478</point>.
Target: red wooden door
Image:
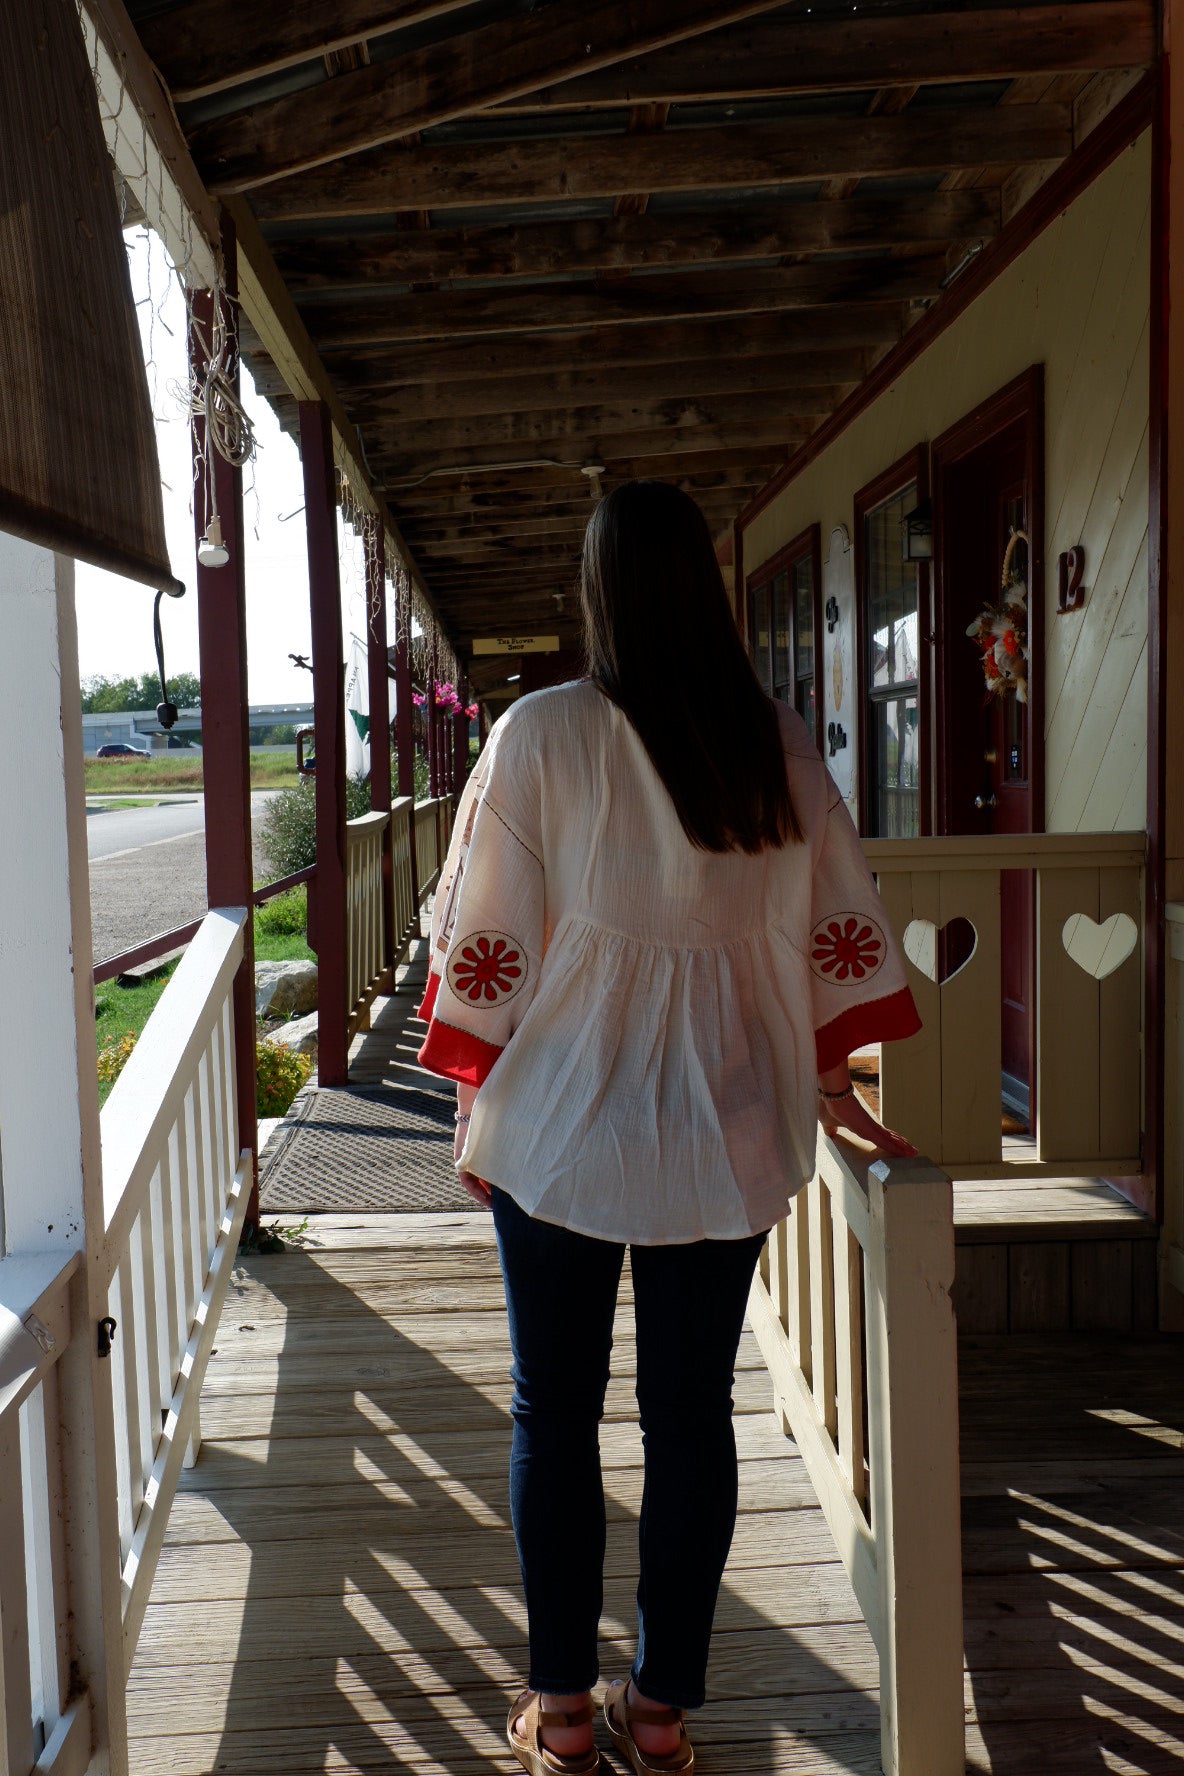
<point>985,759</point>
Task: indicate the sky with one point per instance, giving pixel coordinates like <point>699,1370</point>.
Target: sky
<point>115,615</point>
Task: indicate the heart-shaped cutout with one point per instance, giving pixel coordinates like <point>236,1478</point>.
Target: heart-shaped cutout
<point>1099,949</point>
<point>940,952</point>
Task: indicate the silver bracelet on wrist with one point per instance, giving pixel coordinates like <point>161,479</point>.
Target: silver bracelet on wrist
<point>848,1091</point>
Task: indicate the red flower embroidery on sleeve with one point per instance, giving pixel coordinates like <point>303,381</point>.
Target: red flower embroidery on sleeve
<point>486,969</point>
<point>849,947</point>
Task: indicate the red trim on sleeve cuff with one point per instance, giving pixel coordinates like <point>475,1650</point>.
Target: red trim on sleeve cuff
<point>880,1020</point>
<point>454,1054</point>
<point>427,1004</point>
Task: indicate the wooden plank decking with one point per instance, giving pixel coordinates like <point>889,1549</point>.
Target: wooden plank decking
<point>339,1589</point>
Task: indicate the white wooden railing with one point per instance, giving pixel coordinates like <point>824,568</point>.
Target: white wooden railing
<point>155,1274</point>
<point>175,1188</point>
<point>942,1087</point>
<point>1173,1118</point>
<point>851,1308</point>
<point>45,1714</point>
<point>365,938</point>
<point>405,922</point>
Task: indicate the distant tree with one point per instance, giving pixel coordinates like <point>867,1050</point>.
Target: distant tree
<point>100,695</point>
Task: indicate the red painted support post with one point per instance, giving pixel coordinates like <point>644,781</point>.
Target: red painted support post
<point>226,753</point>
<point>328,692</point>
<point>405,734</point>
<point>378,676</point>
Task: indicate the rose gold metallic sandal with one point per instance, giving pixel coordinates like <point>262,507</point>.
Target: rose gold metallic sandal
<point>532,1754</point>
<point>619,1715</point>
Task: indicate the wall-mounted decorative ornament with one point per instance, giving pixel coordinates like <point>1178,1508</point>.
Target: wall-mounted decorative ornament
<point>1070,580</point>
<point>1000,631</point>
<point>832,615</point>
<point>836,737</point>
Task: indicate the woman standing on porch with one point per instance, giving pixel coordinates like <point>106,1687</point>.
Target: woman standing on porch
<point>654,946</point>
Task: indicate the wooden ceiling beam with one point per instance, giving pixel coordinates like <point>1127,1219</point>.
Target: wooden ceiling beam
<point>631,242</point>
<point>862,326</point>
<point>526,433</point>
<point>207,46</point>
<point>440,175</point>
<point>792,371</point>
<point>551,308</point>
<point>485,498</point>
<point>755,435</point>
<point>805,55</point>
<point>468,72</point>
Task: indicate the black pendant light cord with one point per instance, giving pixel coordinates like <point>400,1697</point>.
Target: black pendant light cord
<point>166,712</point>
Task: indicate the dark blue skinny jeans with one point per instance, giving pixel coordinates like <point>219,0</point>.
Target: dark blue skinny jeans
<point>689,1304</point>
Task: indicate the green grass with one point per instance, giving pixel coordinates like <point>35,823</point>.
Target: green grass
<point>119,1010</point>
<point>171,771</point>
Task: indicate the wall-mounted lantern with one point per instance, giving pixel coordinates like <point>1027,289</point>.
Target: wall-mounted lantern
<point>918,533</point>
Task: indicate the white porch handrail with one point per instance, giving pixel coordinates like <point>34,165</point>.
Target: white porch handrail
<point>365,966</point>
<point>852,1311</point>
<point>942,1087</point>
<point>176,1188</point>
<point>45,1719</point>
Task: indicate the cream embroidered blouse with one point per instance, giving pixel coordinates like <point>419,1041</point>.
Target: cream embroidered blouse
<point>645,1020</point>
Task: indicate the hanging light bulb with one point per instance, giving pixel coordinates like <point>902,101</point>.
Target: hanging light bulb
<point>211,550</point>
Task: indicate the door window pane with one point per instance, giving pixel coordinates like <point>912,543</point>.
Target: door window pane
<point>892,628</point>
<point>893,775</point>
<point>781,637</point>
<point>760,637</point>
<point>803,600</point>
<point>891,595</point>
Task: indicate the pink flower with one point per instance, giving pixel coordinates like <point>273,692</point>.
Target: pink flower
<point>418,698</point>
<point>472,711</point>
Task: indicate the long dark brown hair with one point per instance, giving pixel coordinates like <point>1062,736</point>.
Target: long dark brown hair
<point>663,647</point>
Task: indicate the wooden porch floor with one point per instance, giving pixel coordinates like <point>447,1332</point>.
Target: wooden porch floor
<point>339,1588</point>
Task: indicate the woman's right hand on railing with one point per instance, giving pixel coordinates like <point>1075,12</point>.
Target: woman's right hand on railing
<point>841,1111</point>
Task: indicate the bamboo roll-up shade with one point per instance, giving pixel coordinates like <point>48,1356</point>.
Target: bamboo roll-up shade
<point>78,464</point>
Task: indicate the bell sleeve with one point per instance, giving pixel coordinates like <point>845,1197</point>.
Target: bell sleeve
<point>857,971</point>
<point>487,928</point>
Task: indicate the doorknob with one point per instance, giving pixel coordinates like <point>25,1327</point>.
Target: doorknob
<point>988,801</point>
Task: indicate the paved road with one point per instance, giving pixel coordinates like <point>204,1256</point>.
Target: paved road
<point>109,830</point>
<point>148,872</point>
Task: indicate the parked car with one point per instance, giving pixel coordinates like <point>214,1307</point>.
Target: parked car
<point>119,749</point>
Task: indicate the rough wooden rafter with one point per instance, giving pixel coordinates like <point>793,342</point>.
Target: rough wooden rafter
<point>517,431</point>
<point>630,242</point>
<point>370,320</point>
<point>441,175</point>
<point>465,73</point>
<point>793,372</point>
<point>207,46</point>
<point>643,343</point>
<point>801,54</point>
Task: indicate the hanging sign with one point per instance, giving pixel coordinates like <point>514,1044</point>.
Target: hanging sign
<point>516,644</point>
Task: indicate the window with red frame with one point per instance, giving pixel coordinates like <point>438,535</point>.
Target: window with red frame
<point>782,601</point>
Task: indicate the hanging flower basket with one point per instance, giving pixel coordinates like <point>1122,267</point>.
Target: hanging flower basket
<point>1000,632</point>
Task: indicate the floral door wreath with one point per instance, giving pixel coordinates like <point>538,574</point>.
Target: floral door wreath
<point>1000,631</point>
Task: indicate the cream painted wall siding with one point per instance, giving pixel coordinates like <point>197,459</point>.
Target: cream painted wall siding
<point>1077,301</point>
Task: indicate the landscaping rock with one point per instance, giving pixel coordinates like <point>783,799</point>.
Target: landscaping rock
<point>284,989</point>
<point>298,1033</point>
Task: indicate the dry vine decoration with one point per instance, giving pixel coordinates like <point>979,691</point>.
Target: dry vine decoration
<point>1000,631</point>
